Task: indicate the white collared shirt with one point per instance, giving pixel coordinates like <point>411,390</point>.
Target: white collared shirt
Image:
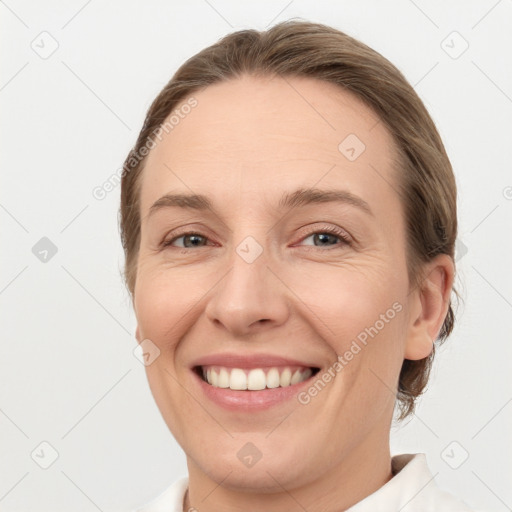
<point>412,489</point>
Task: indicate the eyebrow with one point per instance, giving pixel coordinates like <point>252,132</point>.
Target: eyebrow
<point>303,197</point>
<point>296,199</point>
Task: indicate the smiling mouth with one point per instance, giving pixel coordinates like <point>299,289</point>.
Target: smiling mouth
<point>254,379</point>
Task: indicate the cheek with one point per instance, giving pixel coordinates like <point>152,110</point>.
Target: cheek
<point>345,302</point>
<point>164,301</point>
<point>360,314</point>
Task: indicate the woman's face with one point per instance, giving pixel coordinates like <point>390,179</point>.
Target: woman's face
<point>292,262</point>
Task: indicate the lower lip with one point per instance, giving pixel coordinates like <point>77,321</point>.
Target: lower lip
<point>250,401</point>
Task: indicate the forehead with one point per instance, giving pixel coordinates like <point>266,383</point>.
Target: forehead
<point>261,133</point>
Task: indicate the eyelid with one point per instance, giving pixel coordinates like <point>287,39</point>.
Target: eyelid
<point>189,229</point>
<point>167,242</point>
<point>343,235</point>
<point>333,230</point>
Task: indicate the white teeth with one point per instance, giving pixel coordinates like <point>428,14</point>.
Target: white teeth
<point>238,379</point>
<point>273,378</point>
<point>286,377</point>
<point>256,378</point>
<point>223,381</point>
<point>296,377</point>
<point>307,374</point>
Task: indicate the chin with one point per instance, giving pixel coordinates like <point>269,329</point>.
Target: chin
<point>262,466</point>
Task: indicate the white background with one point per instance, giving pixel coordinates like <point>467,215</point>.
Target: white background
<point>67,372</point>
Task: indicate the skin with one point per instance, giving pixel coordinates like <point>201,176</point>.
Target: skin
<point>247,142</point>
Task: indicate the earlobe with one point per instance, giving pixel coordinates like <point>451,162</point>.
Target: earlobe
<point>137,334</point>
<point>418,348</point>
<point>431,302</point>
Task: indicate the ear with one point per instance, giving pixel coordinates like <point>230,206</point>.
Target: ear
<point>137,334</point>
<point>429,305</point>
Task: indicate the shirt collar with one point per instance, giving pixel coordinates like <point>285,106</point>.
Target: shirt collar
<point>411,489</point>
<point>411,485</point>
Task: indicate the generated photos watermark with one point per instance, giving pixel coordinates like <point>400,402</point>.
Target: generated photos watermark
<point>357,344</point>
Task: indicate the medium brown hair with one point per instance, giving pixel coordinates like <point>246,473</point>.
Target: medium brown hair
<point>302,49</point>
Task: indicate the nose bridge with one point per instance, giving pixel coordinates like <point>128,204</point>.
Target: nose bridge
<point>248,295</point>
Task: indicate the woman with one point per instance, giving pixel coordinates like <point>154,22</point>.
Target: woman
<point>288,216</point>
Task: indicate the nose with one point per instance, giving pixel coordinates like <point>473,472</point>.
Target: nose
<point>248,299</point>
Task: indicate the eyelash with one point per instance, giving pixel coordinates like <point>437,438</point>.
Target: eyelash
<point>341,234</point>
<point>331,230</point>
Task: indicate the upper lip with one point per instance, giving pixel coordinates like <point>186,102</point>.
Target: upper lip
<point>232,360</point>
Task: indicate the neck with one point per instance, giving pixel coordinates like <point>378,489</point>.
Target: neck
<point>362,472</point>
